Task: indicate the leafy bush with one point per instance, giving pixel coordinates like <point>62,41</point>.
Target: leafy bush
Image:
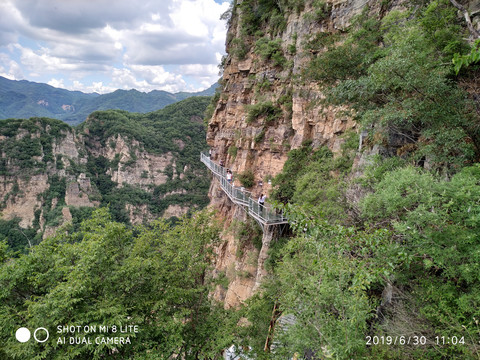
<point>232,151</point>
<point>260,136</point>
<point>247,178</point>
<point>405,90</point>
<point>464,61</point>
<point>248,233</point>
<point>266,110</point>
<point>239,49</point>
<point>28,139</point>
<point>284,183</point>
<point>270,50</point>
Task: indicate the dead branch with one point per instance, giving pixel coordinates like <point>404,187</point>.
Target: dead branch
<point>472,30</point>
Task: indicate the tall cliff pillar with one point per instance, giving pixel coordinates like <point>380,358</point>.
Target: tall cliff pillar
<point>269,234</point>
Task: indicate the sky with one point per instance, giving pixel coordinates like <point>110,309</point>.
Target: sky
<point>104,45</point>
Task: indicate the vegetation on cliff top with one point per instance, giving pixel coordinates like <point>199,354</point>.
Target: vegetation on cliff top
<point>27,150</point>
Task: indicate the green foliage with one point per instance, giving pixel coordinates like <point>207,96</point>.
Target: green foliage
<point>319,13</point>
<point>239,49</point>
<point>79,215</point>
<point>349,60</point>
<point>287,101</point>
<point>248,233</point>
<point>464,61</point>
<point>438,222</point>
<point>322,279</point>
<point>443,28</point>
<point>30,143</point>
<point>292,48</point>
<point>415,233</point>
<point>260,136</point>
<point>408,94</point>
<point>17,238</point>
<point>59,162</point>
<point>27,150</point>
<point>284,183</point>
<point>308,178</point>
<point>258,14</point>
<point>316,187</point>
<point>263,86</point>
<point>232,151</point>
<point>258,312</point>
<point>156,132</point>
<point>266,110</point>
<point>211,107</point>
<point>270,50</point>
<point>247,178</point>
<point>105,274</point>
<point>158,129</point>
<point>319,41</point>
<point>379,166</point>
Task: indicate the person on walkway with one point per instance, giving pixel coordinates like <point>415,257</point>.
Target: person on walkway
<point>210,153</point>
<point>222,164</point>
<point>261,202</point>
<point>229,176</point>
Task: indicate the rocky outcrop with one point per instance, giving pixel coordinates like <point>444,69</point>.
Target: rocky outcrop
<point>69,147</point>
<point>78,191</point>
<point>175,210</point>
<point>23,202</point>
<point>41,192</point>
<point>135,166</point>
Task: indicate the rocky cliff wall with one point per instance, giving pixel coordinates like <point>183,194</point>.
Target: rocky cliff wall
<point>288,111</point>
<point>51,174</point>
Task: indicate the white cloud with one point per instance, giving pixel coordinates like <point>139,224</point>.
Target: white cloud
<point>204,74</point>
<point>11,23</point>
<point>96,86</point>
<point>9,68</point>
<point>127,41</point>
<point>147,78</point>
<point>58,83</point>
<point>44,62</point>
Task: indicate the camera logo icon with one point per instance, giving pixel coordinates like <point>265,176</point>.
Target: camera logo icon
<point>40,335</point>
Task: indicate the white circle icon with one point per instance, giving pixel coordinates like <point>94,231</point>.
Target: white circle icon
<point>23,334</point>
<point>35,335</point>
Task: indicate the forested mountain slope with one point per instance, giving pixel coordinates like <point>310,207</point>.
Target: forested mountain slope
<point>141,165</point>
<point>25,99</point>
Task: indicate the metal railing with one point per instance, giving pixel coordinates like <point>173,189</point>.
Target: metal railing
<point>263,213</point>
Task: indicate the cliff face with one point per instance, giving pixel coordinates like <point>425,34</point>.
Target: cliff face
<point>270,104</point>
<point>267,107</point>
<point>51,173</point>
<point>24,191</point>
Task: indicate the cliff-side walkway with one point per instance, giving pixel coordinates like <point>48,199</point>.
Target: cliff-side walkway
<point>265,215</point>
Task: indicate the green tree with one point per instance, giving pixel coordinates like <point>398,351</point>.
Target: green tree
<point>156,278</point>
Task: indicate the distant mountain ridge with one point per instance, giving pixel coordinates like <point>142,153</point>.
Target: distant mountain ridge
<point>25,99</point>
